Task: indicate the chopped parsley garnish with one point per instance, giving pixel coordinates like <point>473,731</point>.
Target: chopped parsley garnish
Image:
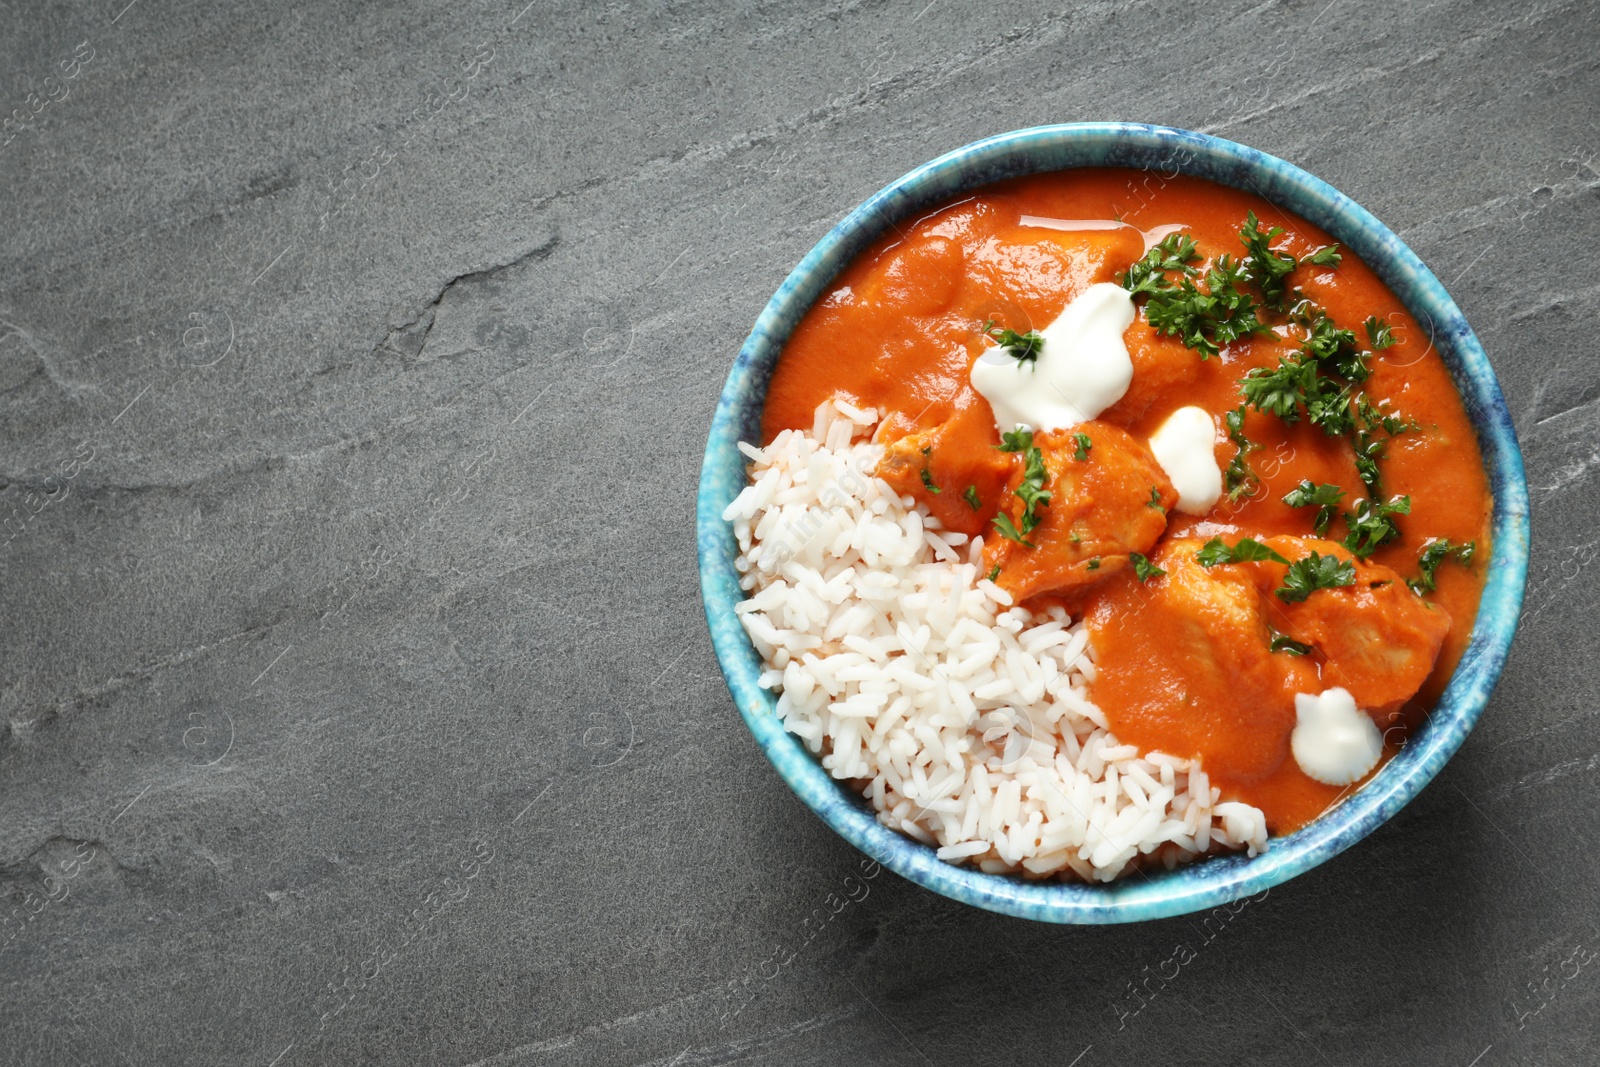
<point>1174,252</point>
<point>1022,347</point>
<point>1008,530</point>
<point>1143,569</point>
<point>1435,553</point>
<point>1379,336</point>
<point>1282,391</point>
<point>1325,498</point>
<point>992,575</point>
<point>1206,321</point>
<point>1240,478</point>
<point>1373,524</point>
<point>1335,349</point>
<point>1155,499</point>
<point>1031,491</point>
<point>1015,440</point>
<point>1326,256</point>
<point>971,497</point>
<point>1319,382</point>
<point>1295,386</point>
<point>927,479</point>
<point>1213,552</point>
<point>1373,417</point>
<point>1084,444</point>
<point>1285,643</point>
<point>1225,311</point>
<point>1094,564</point>
<point>1312,573</point>
<point>1368,451</point>
<point>1369,447</point>
<point>1329,408</point>
<point>1270,269</point>
<point>1248,550</point>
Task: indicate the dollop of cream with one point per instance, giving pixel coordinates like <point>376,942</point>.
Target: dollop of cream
<point>1185,446</point>
<point>1333,741</point>
<point>1082,369</point>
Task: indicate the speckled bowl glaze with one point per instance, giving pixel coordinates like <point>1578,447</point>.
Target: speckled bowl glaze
<point>1164,152</point>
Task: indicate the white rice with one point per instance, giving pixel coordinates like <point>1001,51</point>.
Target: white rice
<point>965,721</point>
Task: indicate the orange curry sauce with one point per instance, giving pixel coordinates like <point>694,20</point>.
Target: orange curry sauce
<point>899,332</point>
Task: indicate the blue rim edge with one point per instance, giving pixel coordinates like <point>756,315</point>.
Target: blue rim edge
<point>1162,151</point>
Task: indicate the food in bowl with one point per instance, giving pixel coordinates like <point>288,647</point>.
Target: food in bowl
<point>1096,526</point>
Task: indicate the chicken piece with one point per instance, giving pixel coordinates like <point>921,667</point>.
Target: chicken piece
<point>1186,667</point>
<point>1161,366</point>
<point>1108,497</point>
<point>937,466</point>
<point>1377,639</point>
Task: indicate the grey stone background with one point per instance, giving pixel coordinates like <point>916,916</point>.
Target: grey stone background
<point>356,704</point>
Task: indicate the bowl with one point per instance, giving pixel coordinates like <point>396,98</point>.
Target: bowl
<point>1210,882</point>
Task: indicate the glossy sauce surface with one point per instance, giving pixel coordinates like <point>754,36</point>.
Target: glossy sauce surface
<point>899,332</point>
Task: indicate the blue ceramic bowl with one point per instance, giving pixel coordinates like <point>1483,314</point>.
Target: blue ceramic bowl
<point>1164,151</point>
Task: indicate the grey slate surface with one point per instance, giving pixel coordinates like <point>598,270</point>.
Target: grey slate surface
<point>355,366</point>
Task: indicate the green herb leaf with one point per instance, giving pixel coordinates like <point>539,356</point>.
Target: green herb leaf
<point>1143,569</point>
<point>1312,573</point>
<point>1378,334</point>
<point>1247,550</point>
<point>927,482</point>
<point>1008,530</point>
<point>1372,524</point>
<point>1368,452</point>
<point>1213,552</point>
<point>1282,391</point>
<point>1155,499</point>
<point>1022,347</point>
<point>1094,564</point>
<point>1374,417</point>
<point>992,575</point>
<point>1434,553</point>
<point>1015,440</point>
<point>1239,478</point>
<point>971,497</point>
<point>1084,444</point>
<point>1269,269</point>
<point>1329,408</point>
<point>1285,643</point>
<point>1369,447</point>
<point>1326,256</point>
<point>1332,347</point>
<point>1032,491</point>
<point>1174,252</point>
<point>1325,498</point>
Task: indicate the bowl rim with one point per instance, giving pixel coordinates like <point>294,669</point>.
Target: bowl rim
<point>1162,151</point>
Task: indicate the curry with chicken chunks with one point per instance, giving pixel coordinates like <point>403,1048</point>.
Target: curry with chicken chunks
<point>1195,422</point>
